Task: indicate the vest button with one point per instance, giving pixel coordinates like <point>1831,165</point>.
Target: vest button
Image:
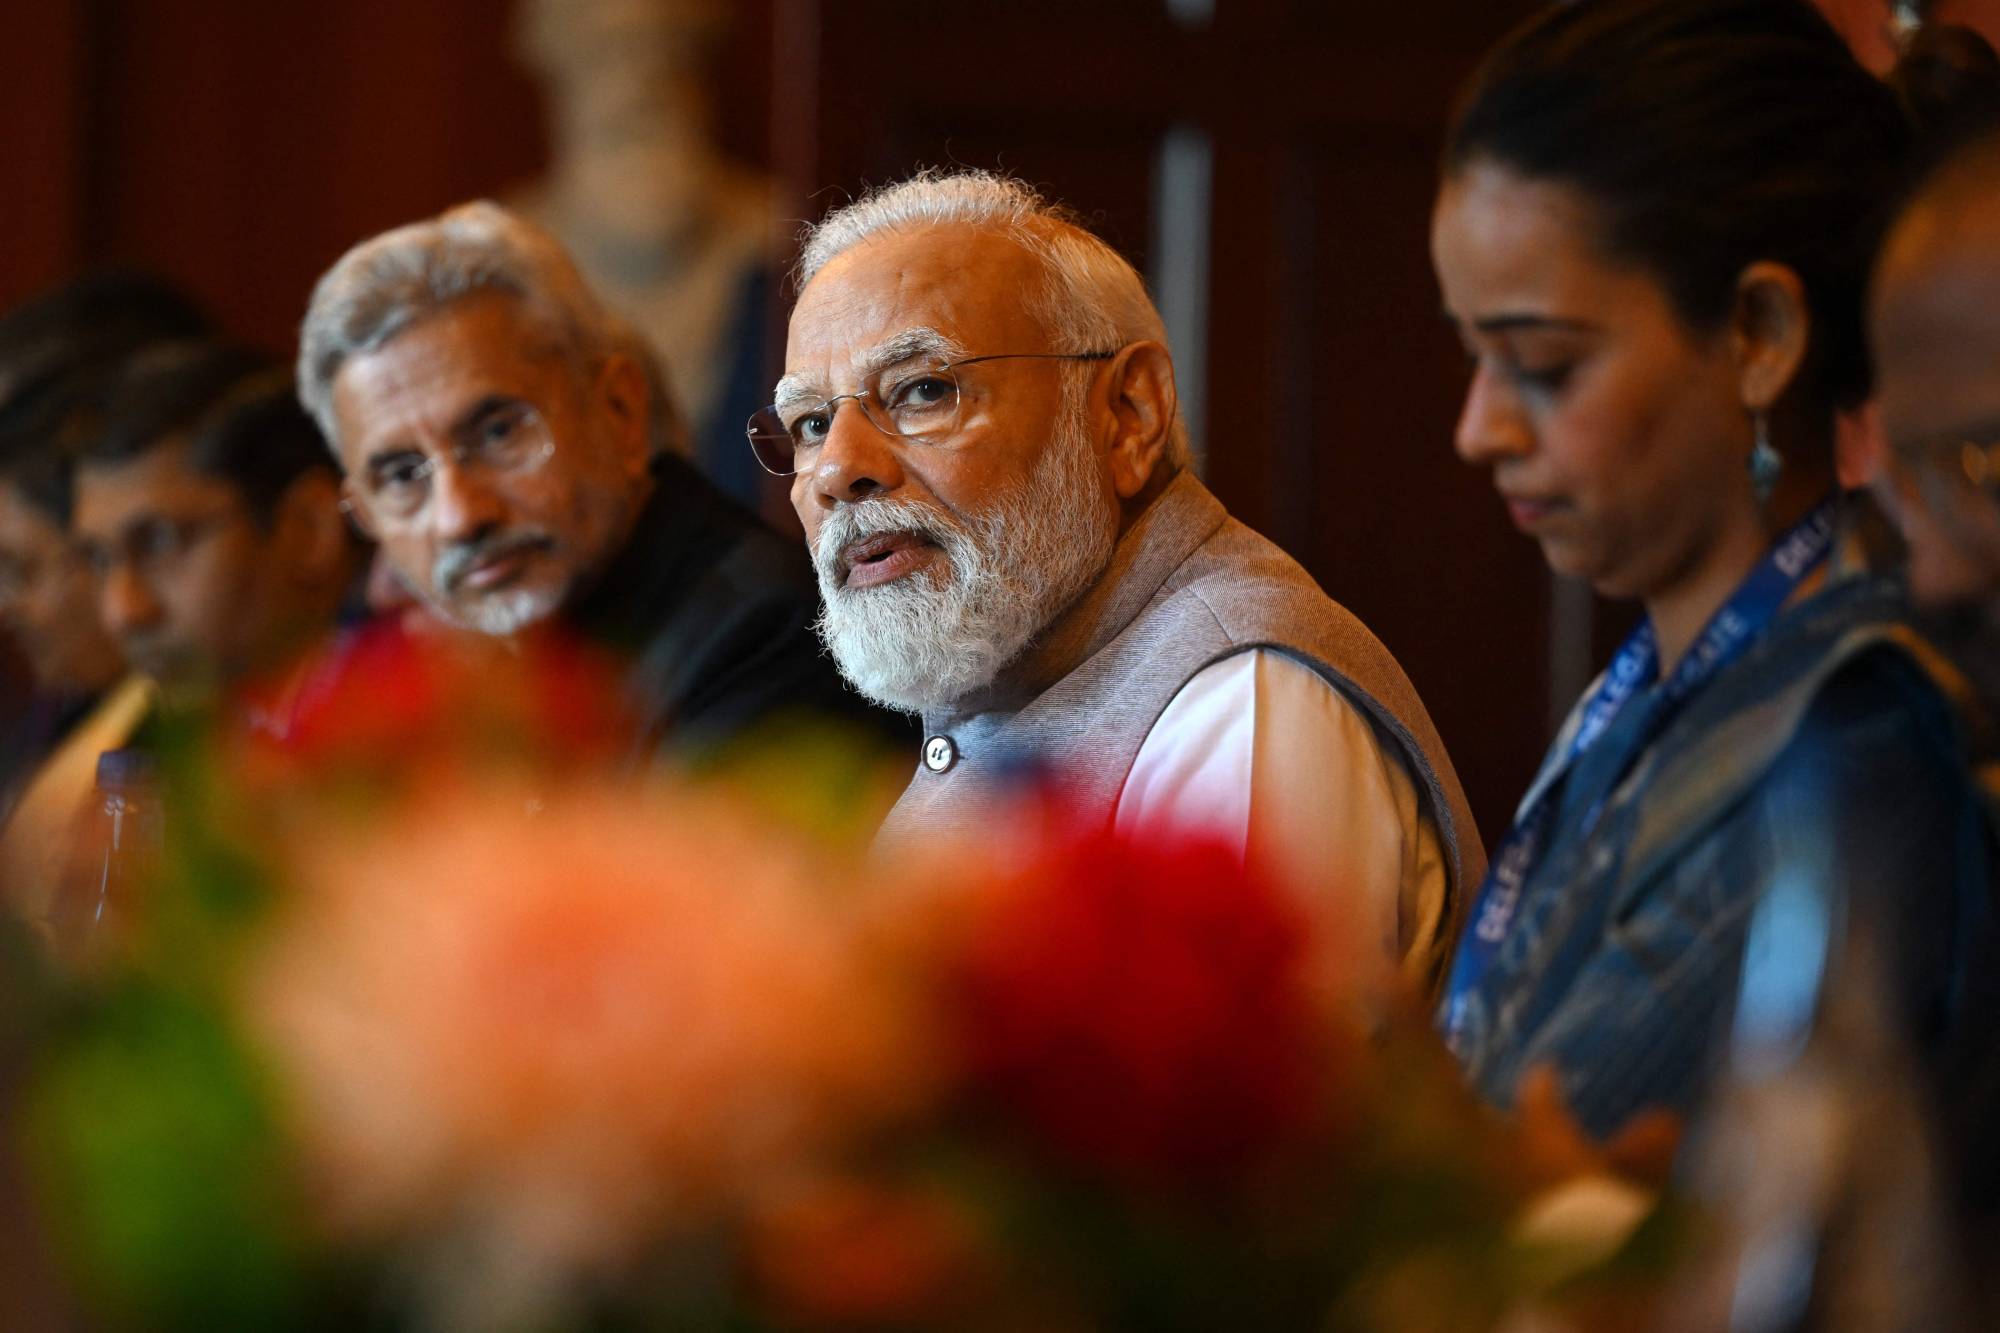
<point>939,754</point>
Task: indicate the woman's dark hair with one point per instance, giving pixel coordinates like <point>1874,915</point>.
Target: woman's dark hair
<point>1710,134</point>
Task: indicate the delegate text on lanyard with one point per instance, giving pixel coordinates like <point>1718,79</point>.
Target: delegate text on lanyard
<point>1753,606</point>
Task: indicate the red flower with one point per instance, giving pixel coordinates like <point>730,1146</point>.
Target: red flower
<point>383,702</point>
<point>860,1254</point>
<point>1145,1009</point>
<point>374,691</point>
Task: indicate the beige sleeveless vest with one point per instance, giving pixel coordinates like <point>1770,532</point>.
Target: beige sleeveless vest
<point>1187,586</point>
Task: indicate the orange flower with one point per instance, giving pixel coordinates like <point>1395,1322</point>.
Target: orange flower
<point>574,1028</point>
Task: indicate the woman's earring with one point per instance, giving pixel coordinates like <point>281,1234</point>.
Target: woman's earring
<point>1766,463</point>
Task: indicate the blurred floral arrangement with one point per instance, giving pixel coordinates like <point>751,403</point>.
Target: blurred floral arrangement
<point>432,1018</point>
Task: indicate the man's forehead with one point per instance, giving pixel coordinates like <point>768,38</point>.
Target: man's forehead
<point>1939,284</point>
<point>163,479</point>
<point>445,345</point>
<point>918,343</point>
<point>440,365</point>
<point>1936,328</point>
<point>974,286</point>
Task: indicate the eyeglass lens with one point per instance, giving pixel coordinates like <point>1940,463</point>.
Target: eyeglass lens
<point>919,404</point>
<point>511,438</point>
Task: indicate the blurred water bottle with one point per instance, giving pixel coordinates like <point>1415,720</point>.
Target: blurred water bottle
<point>115,859</point>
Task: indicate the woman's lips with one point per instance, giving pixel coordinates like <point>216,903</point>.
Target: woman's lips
<point>885,558</point>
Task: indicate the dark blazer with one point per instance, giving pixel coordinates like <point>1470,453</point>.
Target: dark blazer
<point>713,612</point>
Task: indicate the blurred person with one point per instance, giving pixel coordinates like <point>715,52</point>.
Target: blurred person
<point>1934,323</point>
<point>85,701</point>
<point>1884,1213</point>
<point>90,321</point>
<point>502,442</point>
<point>1653,231</point>
<point>209,513</point>
<point>668,231</point>
<point>55,358</point>
<point>978,414</point>
<point>53,350</point>
<point>46,606</point>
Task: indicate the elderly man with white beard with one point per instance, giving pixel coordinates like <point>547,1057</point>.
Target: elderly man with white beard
<point>978,417</point>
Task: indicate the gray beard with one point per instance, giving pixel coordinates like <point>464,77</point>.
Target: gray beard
<point>933,637</point>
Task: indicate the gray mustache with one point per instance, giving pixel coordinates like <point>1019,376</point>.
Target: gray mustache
<point>458,561</point>
<point>844,527</point>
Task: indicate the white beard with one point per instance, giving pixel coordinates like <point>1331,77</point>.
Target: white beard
<point>506,613</point>
<point>933,637</point>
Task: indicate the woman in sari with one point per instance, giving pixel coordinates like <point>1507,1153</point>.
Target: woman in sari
<point>1653,236</point>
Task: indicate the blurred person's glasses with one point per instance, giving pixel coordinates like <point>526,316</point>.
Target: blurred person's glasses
<point>1954,472</point>
<point>508,440</point>
<point>155,545</point>
<point>923,404</point>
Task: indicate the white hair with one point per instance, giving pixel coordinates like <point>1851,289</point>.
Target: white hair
<point>1093,300</point>
<point>384,285</point>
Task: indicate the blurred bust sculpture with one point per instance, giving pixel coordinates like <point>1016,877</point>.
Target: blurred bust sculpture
<point>673,235</point>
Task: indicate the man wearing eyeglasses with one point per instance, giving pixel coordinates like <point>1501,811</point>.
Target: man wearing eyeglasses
<point>1936,332</point>
<point>55,354</point>
<point>498,437</point>
<point>979,419</point>
<point>53,350</point>
<point>45,604</point>
<point>209,514</point>
<point>1934,337</point>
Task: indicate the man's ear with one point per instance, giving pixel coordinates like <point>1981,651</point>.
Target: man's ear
<point>621,389</point>
<point>309,528</point>
<point>1143,405</point>
<point>1769,331</point>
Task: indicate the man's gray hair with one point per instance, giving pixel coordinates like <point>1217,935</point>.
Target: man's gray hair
<point>1093,299</point>
<point>384,285</point>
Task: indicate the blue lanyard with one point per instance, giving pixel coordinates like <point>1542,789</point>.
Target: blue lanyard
<point>1731,631</point>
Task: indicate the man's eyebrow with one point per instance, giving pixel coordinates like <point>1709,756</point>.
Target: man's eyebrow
<point>491,405</point>
<point>382,453</point>
<point>796,389</point>
<point>911,343</point>
<point>908,346</point>
<point>462,427</point>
